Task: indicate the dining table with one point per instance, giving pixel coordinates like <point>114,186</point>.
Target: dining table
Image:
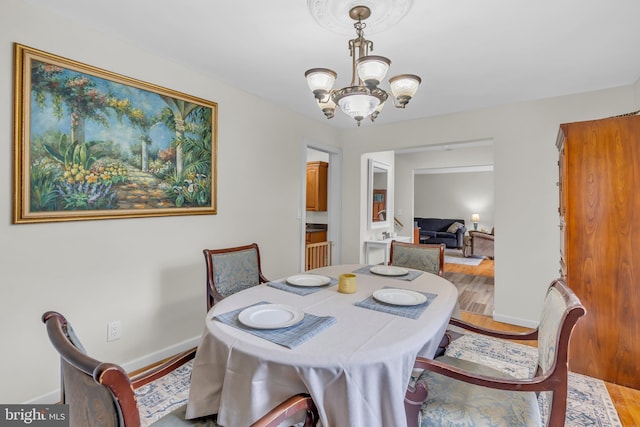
<point>352,352</point>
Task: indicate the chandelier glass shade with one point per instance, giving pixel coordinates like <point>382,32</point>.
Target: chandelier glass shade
<point>363,98</point>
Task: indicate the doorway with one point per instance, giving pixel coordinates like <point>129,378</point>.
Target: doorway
<point>323,222</point>
<point>453,181</point>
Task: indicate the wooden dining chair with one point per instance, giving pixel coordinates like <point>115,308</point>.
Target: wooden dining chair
<point>425,257</point>
<point>231,270</point>
<point>455,391</point>
<point>102,394</point>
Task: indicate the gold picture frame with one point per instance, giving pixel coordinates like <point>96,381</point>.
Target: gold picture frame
<point>92,144</point>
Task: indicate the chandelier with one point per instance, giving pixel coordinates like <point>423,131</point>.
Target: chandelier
<point>363,97</point>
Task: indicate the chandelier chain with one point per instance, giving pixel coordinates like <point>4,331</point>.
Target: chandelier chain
<point>360,26</point>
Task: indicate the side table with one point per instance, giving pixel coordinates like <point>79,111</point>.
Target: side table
<point>385,244</point>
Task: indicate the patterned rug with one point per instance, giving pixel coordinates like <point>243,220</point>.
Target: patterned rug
<point>588,401</point>
<point>165,395</point>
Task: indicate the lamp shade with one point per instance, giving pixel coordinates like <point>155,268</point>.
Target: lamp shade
<point>475,217</point>
<point>358,106</point>
<point>372,69</point>
<point>404,86</point>
<point>320,80</point>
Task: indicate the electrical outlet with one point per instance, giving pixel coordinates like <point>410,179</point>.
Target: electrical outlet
<point>114,330</point>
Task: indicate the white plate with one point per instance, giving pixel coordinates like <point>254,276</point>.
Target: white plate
<point>308,280</point>
<point>399,296</point>
<point>388,270</point>
<point>270,316</point>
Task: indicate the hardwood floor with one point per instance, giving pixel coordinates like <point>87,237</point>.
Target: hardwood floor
<point>484,269</point>
<point>624,399</point>
<point>475,285</point>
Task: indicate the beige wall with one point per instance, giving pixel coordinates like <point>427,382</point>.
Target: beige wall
<point>148,273</point>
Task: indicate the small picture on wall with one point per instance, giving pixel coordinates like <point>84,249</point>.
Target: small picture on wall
<point>92,144</point>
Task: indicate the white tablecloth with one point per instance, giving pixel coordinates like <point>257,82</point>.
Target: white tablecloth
<point>357,370</point>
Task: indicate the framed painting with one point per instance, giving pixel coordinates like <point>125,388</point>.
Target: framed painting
<point>92,144</point>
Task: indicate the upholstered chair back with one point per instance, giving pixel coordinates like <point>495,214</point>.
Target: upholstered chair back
<point>429,258</point>
<point>231,270</point>
<point>557,305</point>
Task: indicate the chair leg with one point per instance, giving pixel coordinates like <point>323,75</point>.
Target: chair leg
<point>413,400</point>
<point>444,343</point>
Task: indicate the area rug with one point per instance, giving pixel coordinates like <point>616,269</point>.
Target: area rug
<point>454,256</point>
<point>160,397</point>
<point>588,401</point>
<point>475,293</point>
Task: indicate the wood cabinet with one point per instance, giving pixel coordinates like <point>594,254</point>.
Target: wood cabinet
<point>316,237</point>
<point>317,186</point>
<point>599,211</point>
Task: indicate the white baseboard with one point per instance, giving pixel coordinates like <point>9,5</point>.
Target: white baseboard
<point>133,365</point>
<point>514,320</point>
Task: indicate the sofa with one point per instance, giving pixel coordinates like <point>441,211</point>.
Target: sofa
<point>440,230</point>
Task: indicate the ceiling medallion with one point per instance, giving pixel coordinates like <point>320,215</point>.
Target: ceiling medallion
<point>334,14</point>
<point>363,97</point>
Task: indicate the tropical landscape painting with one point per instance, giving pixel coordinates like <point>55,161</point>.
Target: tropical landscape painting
<point>91,144</point>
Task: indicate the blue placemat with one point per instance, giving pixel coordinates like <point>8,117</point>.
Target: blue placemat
<point>410,276</point>
<point>410,311</point>
<point>289,337</point>
<point>300,290</point>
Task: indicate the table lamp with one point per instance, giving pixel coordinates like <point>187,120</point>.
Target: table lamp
<point>475,218</point>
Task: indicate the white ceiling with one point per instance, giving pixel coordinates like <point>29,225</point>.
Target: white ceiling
<point>469,53</point>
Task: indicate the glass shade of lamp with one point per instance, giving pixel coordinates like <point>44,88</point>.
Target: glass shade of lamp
<point>320,81</point>
<point>404,87</point>
<point>359,102</point>
<point>372,69</point>
<point>475,218</point>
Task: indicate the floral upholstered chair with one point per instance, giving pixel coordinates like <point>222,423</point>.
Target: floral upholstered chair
<point>101,394</point>
<point>429,258</point>
<point>460,392</point>
<point>231,270</point>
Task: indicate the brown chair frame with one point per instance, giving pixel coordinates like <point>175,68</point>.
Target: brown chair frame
<point>121,387</point>
<point>279,414</point>
<point>441,246</point>
<point>554,380</point>
<point>212,292</point>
